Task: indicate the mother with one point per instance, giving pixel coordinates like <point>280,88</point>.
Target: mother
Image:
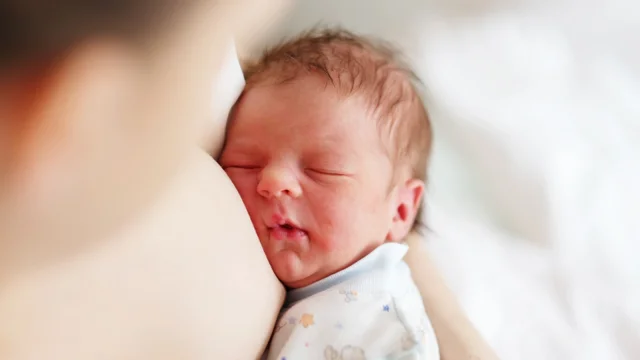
<point>119,237</point>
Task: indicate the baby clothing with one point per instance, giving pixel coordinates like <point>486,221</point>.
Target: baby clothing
<point>371,310</point>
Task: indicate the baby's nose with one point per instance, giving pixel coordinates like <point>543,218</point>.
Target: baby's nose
<point>277,182</point>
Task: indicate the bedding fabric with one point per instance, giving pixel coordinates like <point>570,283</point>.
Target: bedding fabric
<point>534,193</point>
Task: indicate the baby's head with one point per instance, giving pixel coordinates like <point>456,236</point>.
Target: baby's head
<point>328,147</point>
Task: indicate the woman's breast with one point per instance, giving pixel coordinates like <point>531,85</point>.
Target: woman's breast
<point>188,279</point>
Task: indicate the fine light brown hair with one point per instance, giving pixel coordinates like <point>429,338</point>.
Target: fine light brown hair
<point>359,66</point>
<point>32,30</point>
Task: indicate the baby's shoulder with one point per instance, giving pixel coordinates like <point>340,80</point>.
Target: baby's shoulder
<point>396,281</point>
<point>385,285</point>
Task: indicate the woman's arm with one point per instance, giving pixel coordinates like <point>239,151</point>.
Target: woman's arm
<point>457,338</point>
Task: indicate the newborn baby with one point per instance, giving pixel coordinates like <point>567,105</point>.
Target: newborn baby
<point>328,148</point>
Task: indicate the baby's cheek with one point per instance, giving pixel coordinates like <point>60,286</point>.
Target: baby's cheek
<point>241,181</point>
<point>326,243</point>
<point>337,220</point>
<point>246,187</point>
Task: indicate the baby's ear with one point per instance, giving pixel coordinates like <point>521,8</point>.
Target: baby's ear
<point>407,203</point>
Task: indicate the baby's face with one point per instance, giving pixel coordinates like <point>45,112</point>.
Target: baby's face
<point>312,172</point>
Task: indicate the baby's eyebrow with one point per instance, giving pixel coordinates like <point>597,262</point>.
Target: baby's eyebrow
<point>242,144</point>
<point>239,149</point>
<point>322,149</point>
<point>335,146</point>
<point>331,155</point>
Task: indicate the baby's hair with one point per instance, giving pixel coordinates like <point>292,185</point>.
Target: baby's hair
<point>365,67</point>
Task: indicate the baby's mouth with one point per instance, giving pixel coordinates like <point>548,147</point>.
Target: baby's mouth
<point>287,232</point>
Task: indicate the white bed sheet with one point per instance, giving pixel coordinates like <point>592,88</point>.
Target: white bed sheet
<point>534,196</point>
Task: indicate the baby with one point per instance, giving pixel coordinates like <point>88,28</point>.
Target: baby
<point>328,148</point>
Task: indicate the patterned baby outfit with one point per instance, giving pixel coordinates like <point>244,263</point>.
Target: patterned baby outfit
<point>371,310</point>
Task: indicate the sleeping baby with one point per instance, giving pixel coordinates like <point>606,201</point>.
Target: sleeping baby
<point>328,148</point>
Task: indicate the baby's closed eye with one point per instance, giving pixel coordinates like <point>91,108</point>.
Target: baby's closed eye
<point>239,163</point>
<point>321,171</point>
<point>327,174</point>
<point>241,166</point>
<point>235,162</point>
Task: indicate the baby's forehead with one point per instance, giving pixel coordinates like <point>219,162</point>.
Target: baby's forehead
<point>307,101</point>
<point>304,112</point>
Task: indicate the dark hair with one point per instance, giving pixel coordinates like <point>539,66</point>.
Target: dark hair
<point>34,29</point>
<point>366,67</point>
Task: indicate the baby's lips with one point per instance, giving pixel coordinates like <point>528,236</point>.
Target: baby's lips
<point>288,233</point>
<point>278,220</point>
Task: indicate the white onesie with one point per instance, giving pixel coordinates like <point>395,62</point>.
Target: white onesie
<point>371,310</point>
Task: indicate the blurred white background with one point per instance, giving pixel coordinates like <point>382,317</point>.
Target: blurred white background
<point>534,198</point>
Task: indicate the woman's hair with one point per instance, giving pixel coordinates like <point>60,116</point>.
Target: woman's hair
<point>31,30</point>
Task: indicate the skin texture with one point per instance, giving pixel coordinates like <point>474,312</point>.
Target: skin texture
<point>91,137</point>
<point>168,286</point>
<point>311,169</point>
<point>114,243</point>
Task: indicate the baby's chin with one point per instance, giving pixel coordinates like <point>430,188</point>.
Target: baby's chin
<point>290,268</point>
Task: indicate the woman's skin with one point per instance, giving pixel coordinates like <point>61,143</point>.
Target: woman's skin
<point>119,237</point>
<point>90,136</point>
